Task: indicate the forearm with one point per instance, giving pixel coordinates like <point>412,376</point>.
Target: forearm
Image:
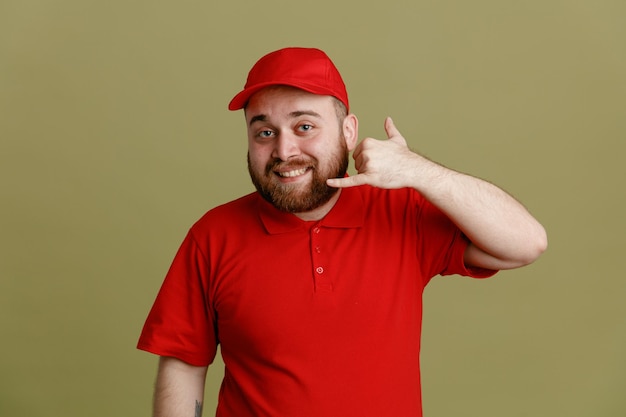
<point>494,221</point>
<point>179,389</point>
<point>502,232</point>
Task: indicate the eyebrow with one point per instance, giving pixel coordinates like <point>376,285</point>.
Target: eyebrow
<point>259,118</point>
<point>293,114</point>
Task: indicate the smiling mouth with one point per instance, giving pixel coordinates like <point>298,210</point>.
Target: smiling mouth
<point>292,173</point>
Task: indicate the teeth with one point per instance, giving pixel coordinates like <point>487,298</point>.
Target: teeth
<point>293,173</point>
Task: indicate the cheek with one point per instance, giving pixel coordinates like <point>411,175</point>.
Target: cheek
<point>257,159</point>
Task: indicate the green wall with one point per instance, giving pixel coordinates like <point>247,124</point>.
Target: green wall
<point>115,138</point>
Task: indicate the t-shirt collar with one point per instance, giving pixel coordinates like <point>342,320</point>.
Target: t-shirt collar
<point>348,212</point>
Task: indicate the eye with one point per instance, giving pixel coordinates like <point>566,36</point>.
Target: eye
<point>265,134</point>
<point>305,127</point>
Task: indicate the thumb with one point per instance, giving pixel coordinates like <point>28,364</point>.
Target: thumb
<point>391,129</point>
<point>351,181</point>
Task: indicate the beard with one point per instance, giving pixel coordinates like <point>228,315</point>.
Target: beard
<point>299,198</point>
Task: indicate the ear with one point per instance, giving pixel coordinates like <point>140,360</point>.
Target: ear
<point>351,131</point>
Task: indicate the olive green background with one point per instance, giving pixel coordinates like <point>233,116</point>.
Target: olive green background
<point>115,138</point>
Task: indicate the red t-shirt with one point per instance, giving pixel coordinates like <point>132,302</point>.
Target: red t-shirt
<point>319,319</point>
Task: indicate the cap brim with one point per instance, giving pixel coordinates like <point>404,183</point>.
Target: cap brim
<point>242,98</point>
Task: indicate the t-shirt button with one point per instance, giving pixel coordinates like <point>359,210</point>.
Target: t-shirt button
<point>319,270</point>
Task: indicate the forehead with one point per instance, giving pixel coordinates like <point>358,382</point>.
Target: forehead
<point>277,101</point>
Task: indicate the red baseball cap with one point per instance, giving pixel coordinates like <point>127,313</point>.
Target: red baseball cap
<point>308,69</point>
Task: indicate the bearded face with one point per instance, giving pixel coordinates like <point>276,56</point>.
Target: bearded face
<point>297,197</point>
<point>296,141</point>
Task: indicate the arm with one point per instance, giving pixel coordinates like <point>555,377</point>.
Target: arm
<point>502,232</point>
<point>179,390</point>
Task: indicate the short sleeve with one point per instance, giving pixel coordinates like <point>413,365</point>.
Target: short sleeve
<point>456,265</point>
<point>181,321</point>
<point>442,245</point>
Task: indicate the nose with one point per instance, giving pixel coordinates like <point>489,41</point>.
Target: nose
<point>286,146</point>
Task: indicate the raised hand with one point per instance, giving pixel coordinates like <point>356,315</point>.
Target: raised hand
<point>382,163</point>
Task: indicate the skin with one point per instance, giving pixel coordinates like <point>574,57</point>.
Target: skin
<point>299,135</point>
<point>503,234</point>
<point>179,389</point>
<point>293,131</point>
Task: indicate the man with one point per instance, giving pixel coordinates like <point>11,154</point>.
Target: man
<point>313,285</point>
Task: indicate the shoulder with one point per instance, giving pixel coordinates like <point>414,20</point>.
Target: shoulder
<point>226,215</point>
<point>393,199</point>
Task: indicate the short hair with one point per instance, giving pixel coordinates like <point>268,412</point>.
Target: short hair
<point>340,109</point>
